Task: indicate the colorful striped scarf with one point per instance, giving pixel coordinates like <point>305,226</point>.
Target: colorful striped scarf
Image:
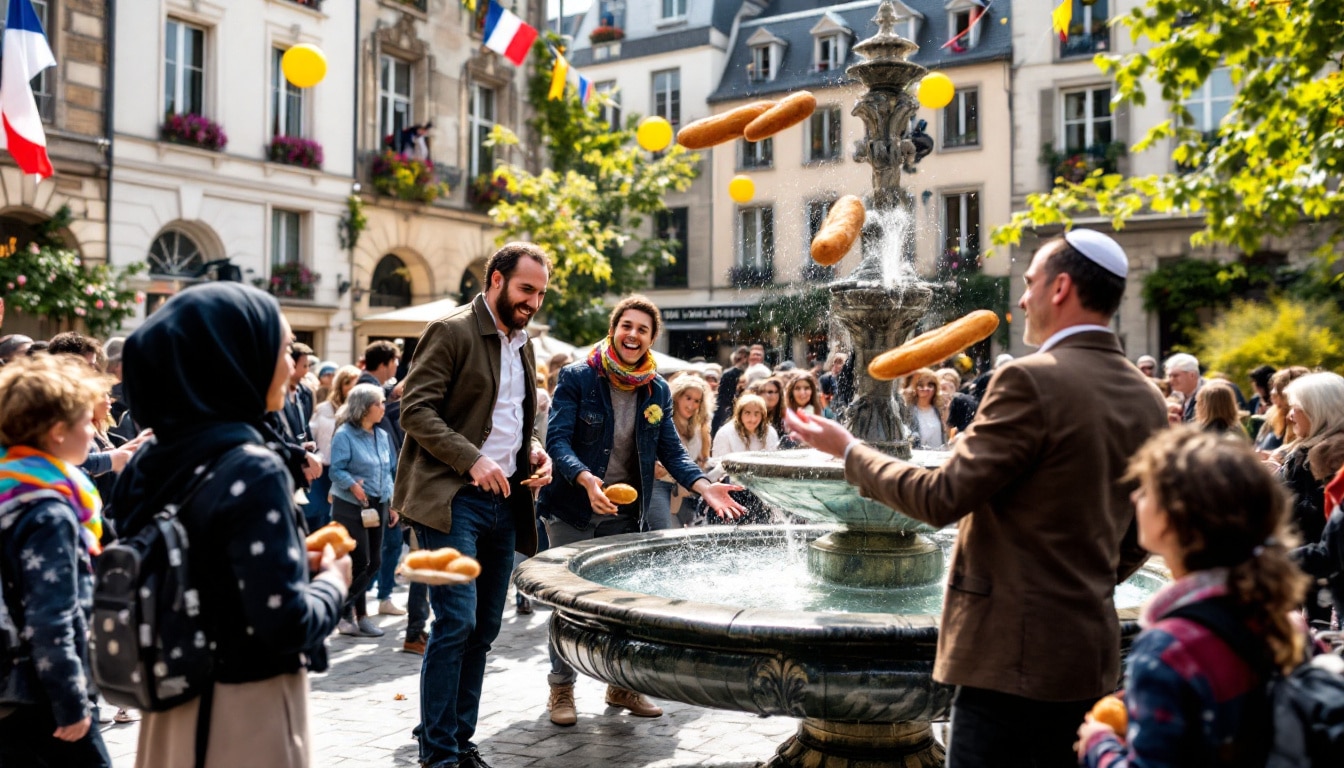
<point>623,377</point>
<point>24,470</point>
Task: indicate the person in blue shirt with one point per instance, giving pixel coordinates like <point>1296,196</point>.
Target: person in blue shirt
<point>362,462</point>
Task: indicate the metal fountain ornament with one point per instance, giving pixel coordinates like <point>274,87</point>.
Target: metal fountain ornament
<point>834,623</point>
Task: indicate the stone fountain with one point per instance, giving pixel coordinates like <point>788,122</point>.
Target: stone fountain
<point>835,624</point>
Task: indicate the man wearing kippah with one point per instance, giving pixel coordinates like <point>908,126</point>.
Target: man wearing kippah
<point>1029,633</point>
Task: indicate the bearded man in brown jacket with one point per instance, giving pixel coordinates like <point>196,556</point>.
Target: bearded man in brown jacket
<point>1029,632</point>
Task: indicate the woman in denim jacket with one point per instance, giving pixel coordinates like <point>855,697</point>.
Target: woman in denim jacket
<point>362,462</point>
<point>611,419</point>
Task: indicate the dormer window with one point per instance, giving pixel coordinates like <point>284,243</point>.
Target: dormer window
<point>962,26</point>
<point>830,38</point>
<point>767,53</point>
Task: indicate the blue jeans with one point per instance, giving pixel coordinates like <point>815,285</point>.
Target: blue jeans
<point>318,510</point>
<point>1003,730</point>
<point>466,621</point>
<point>659,514</point>
<point>387,571</point>
<point>562,534</point>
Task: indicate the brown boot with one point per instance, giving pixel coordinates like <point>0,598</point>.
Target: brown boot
<point>561,705</point>
<point>638,704</point>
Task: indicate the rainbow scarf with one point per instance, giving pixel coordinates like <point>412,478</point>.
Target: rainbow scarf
<point>621,376</point>
<point>24,470</point>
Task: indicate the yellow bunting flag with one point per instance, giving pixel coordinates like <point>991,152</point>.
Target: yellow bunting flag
<point>470,5</point>
<point>558,75</point>
<point>1061,18</point>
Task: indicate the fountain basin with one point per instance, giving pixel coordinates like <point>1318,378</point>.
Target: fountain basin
<point>822,665</point>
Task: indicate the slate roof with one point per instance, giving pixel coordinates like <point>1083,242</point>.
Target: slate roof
<point>722,15</point>
<point>793,20</point>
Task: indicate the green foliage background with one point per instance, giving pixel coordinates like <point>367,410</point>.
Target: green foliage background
<point>590,207</point>
<point>1281,332</point>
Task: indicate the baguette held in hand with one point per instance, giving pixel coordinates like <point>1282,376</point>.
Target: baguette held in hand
<point>790,111</point>
<point>426,564</point>
<point>620,493</point>
<point>334,534</point>
<point>717,129</point>
<point>937,345</point>
<point>843,226</point>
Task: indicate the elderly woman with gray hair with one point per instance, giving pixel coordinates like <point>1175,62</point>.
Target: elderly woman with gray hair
<point>362,462</point>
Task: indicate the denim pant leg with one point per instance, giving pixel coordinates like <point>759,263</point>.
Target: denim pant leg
<point>387,570</point>
<point>659,514</point>
<point>467,619</point>
<point>318,510</point>
<point>417,609</point>
<point>25,739</point>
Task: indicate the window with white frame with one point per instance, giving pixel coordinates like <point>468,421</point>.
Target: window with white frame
<point>961,231</point>
<point>1087,119</point>
<point>286,238</point>
<point>674,9</point>
<point>183,69</point>
<point>667,95</point>
<point>1088,29</point>
<point>286,101</point>
<point>762,62</point>
<point>481,116</point>
<point>961,26</point>
<point>829,52</point>
<point>394,96</point>
<point>961,119</point>
<point>610,13</point>
<point>1211,102</point>
<point>823,135</point>
<point>44,82</point>
<point>611,111</point>
<point>756,154</point>
<point>756,249</point>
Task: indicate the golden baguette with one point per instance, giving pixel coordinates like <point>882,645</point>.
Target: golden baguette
<point>933,347</point>
<point>790,111</point>
<point>843,226</point>
<point>716,129</point>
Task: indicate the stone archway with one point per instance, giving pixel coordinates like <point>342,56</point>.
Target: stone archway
<point>386,278</point>
<point>390,285</point>
<point>472,282</point>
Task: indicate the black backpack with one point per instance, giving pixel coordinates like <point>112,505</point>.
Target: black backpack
<point>1305,706</point>
<point>150,646</point>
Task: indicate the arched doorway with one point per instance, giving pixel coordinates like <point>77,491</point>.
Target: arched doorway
<point>471,282</point>
<point>391,284</point>
<point>174,255</point>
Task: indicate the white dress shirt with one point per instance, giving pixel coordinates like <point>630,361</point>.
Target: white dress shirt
<point>506,421</point>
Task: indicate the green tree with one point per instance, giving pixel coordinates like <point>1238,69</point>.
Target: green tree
<point>49,281</point>
<point>1281,332</point>
<point>589,209</point>
<point>1275,160</point>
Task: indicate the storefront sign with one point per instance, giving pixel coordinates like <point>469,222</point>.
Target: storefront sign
<point>704,314</point>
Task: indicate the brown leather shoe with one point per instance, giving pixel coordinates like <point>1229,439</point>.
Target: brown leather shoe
<point>638,704</point>
<point>415,644</point>
<point>561,704</point>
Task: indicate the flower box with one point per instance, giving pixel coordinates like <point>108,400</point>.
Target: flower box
<point>485,191</point>
<point>292,150</point>
<point>397,175</point>
<point>194,131</point>
<point>293,280</point>
<point>606,34</point>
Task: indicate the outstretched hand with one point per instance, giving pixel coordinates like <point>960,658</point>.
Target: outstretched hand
<point>716,496</point>
<point>818,432</point>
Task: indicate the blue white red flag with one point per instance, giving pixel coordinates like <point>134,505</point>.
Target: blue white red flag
<point>585,90</point>
<point>508,35</point>
<point>26,53</point>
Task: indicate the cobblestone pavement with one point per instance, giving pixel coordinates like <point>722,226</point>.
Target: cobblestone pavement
<point>357,719</point>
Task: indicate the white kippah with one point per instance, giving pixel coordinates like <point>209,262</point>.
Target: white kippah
<point>1101,249</point>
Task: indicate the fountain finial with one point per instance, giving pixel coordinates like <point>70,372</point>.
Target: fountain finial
<point>886,18</point>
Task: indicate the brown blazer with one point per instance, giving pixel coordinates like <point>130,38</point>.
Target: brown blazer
<point>1046,527</point>
<point>446,411</point>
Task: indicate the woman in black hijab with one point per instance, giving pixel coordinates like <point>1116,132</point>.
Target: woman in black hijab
<point>202,372</point>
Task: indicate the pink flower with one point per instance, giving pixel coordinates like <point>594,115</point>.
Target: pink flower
<point>88,290</point>
<point>22,279</point>
<point>139,297</point>
<point>80,311</point>
<point>115,304</point>
<point>98,304</point>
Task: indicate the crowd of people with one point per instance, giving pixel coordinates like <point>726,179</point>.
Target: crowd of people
<point>1059,491</point>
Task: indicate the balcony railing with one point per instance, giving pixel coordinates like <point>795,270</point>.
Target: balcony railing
<point>1085,44</point>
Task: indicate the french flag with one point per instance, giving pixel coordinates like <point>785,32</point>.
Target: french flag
<point>505,33</point>
<point>26,53</point>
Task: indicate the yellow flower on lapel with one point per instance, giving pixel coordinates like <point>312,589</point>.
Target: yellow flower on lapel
<point>653,414</point>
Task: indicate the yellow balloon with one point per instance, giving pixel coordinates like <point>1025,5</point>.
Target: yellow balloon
<point>654,133</point>
<point>742,189</point>
<point>304,65</point>
<point>935,90</point>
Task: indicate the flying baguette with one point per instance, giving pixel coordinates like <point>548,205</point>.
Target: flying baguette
<point>930,348</point>
<point>716,129</point>
<point>790,111</point>
<point>843,225</point>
